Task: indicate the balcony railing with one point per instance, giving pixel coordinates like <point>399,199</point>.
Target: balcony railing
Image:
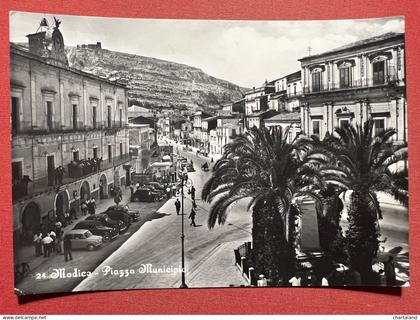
<point>72,172</point>
<point>354,84</point>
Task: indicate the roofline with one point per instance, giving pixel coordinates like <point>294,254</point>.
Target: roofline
<point>339,49</point>
<point>16,50</point>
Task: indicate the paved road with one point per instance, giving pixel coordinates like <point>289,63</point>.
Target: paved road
<point>208,253</point>
<point>38,282</point>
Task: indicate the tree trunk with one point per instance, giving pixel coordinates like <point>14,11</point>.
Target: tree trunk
<point>271,254</point>
<point>362,235</point>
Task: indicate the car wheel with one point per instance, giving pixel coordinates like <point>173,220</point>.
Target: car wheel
<point>91,247</point>
<point>156,199</point>
<point>106,238</point>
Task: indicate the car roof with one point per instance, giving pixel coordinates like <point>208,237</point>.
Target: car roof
<point>75,231</point>
<point>87,222</point>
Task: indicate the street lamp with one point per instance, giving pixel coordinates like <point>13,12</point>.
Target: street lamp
<point>185,181</point>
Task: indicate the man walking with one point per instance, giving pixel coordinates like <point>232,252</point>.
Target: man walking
<point>46,243</point>
<point>67,249</point>
<point>192,217</point>
<point>192,192</point>
<point>177,206</point>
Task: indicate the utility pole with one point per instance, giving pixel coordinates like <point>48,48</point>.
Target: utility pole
<point>183,179</point>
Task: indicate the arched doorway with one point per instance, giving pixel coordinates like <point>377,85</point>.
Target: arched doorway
<point>31,221</point>
<point>84,191</point>
<point>62,203</point>
<point>103,187</point>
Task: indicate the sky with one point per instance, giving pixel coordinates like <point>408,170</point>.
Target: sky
<point>243,52</point>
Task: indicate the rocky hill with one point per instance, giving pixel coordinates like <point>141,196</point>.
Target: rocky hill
<point>156,83</point>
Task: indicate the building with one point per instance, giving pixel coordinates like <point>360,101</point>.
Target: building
<point>257,119</point>
<point>136,111</point>
<point>286,120</point>
<point>207,124</point>
<point>61,117</point>
<point>197,118</point>
<point>256,103</point>
<point>353,83</point>
<point>227,129</point>
<point>141,138</point>
<point>294,91</point>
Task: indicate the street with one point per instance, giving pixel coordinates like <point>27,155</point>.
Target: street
<point>209,254</point>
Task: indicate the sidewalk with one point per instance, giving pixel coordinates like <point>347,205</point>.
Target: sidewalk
<point>27,253</point>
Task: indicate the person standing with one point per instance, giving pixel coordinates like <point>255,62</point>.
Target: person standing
<point>53,236</point>
<point>296,281</point>
<point>177,206</point>
<point>84,207</point>
<point>67,249</point>
<point>38,244</point>
<point>192,192</point>
<point>192,217</point>
<point>92,206</point>
<point>59,241</point>
<point>46,243</point>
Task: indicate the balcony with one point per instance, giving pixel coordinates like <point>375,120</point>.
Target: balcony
<point>354,84</point>
<point>73,172</point>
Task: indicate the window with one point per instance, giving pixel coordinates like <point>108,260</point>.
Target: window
<point>109,152</point>
<point>294,89</point>
<point>109,117</point>
<point>74,116</point>
<point>50,170</point>
<point>316,127</point>
<point>76,156</point>
<point>94,117</point>
<point>95,152</point>
<point>378,125</point>
<point>14,117</point>
<point>121,118</point>
<point>49,116</point>
<point>121,150</point>
<point>16,171</point>
<point>343,122</point>
<point>379,72</point>
<point>233,132</point>
<point>316,81</point>
<point>345,77</point>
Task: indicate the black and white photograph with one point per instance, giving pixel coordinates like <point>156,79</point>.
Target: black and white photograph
<point>161,153</point>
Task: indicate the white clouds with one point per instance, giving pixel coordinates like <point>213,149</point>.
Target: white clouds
<point>244,52</point>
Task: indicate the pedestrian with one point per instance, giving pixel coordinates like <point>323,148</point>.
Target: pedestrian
<point>192,192</point>
<point>38,244</point>
<point>67,249</point>
<point>296,280</point>
<point>84,207</point>
<point>262,281</point>
<point>168,192</point>
<point>174,190</point>
<point>53,236</point>
<point>46,243</point>
<point>131,190</point>
<point>177,206</point>
<point>92,206</point>
<point>59,241</point>
<point>58,226</point>
<point>389,269</point>
<point>192,217</point>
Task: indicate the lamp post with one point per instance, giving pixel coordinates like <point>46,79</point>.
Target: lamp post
<point>184,182</point>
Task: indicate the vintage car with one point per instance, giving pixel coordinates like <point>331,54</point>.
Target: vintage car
<point>146,194</point>
<point>98,229</point>
<point>108,222</point>
<point>114,212</point>
<point>83,239</point>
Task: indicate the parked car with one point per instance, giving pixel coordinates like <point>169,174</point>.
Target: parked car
<point>98,229</point>
<point>103,218</point>
<point>83,239</point>
<point>156,185</point>
<point>146,195</point>
<point>123,214</point>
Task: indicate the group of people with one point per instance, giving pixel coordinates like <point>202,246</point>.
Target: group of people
<point>193,212</point>
<point>88,206</point>
<point>47,243</point>
<point>78,168</point>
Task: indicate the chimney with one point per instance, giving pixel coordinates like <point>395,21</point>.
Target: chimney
<point>37,43</point>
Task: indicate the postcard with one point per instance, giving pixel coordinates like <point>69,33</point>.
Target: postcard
<point>156,154</point>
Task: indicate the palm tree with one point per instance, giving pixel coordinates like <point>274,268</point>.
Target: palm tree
<point>264,168</point>
<point>367,163</point>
